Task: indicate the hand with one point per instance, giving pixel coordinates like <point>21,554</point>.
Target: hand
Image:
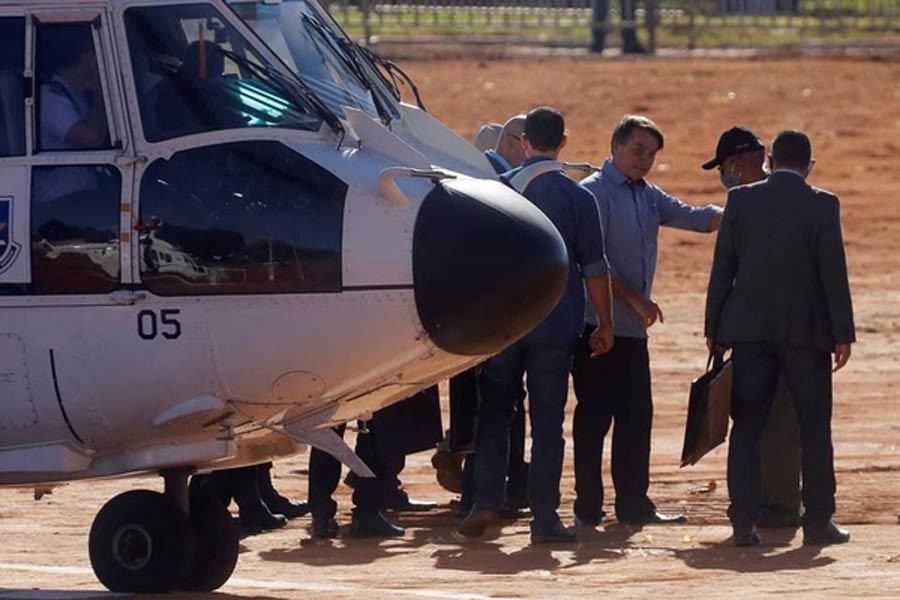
<point>649,312</point>
<point>715,347</point>
<point>841,356</point>
<point>601,340</point>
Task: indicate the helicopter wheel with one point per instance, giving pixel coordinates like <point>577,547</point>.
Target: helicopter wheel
<point>217,539</point>
<point>141,542</point>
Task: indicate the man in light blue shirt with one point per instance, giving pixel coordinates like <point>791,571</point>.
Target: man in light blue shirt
<point>616,386</point>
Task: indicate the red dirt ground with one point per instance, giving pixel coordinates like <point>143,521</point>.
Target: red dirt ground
<point>852,112</point>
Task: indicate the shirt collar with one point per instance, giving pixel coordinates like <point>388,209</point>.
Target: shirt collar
<point>792,171</point>
<point>534,159</point>
<point>618,177</point>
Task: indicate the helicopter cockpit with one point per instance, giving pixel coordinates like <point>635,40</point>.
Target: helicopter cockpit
<point>195,73</point>
<point>312,45</point>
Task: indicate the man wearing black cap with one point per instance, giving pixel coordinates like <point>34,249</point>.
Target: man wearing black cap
<point>739,157</point>
<point>779,296</point>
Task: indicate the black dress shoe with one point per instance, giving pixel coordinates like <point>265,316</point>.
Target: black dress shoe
<point>292,510</point>
<point>373,525</point>
<point>257,521</point>
<point>744,537</point>
<point>651,518</point>
<point>554,534</point>
<point>406,504</point>
<point>324,528</point>
<point>477,522</point>
<point>277,503</point>
<point>824,535</point>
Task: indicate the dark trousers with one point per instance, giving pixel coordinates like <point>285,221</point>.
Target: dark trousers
<point>240,484</point>
<point>807,373</point>
<point>547,369</point>
<point>614,387</point>
<point>368,493</point>
<point>517,471</point>
<point>780,447</point>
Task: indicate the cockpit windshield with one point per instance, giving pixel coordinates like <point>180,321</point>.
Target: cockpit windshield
<point>320,54</point>
<point>195,73</point>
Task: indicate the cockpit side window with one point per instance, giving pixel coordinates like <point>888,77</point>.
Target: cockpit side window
<point>71,113</point>
<point>12,86</point>
<point>195,73</point>
<point>240,218</point>
<point>75,229</point>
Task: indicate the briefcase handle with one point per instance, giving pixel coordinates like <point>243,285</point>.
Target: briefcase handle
<point>715,360</point>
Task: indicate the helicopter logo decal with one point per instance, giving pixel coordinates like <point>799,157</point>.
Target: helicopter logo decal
<point>9,249</point>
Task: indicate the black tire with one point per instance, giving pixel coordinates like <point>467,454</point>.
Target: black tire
<point>141,542</point>
<point>217,543</point>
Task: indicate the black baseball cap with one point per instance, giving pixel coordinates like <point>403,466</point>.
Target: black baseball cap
<point>737,140</point>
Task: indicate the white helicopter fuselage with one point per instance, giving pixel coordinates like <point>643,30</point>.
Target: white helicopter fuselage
<point>140,378</point>
<point>222,233</point>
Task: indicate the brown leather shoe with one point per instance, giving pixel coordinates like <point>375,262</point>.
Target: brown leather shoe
<point>448,469</point>
<point>477,522</point>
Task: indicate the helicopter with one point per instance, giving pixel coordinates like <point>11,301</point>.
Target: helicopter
<point>222,233</point>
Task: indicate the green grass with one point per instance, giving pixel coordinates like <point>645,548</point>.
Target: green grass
<point>838,20</point>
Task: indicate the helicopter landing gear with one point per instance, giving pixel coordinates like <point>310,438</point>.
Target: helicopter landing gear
<point>146,542</point>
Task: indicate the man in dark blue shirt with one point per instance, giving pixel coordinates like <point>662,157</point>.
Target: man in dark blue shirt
<point>545,354</point>
<point>505,153</point>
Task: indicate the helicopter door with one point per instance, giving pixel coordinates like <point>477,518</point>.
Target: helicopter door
<point>14,265</point>
<point>77,174</point>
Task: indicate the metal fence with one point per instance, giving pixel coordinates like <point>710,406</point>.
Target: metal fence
<point>667,23</point>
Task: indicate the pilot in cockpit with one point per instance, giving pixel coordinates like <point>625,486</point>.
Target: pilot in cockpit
<point>189,102</point>
<point>72,113</point>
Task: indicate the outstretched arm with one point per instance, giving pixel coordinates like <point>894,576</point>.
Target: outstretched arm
<point>675,213</point>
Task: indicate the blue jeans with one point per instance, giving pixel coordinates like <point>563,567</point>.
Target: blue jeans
<point>547,369</point>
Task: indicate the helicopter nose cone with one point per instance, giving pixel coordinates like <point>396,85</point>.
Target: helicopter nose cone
<point>488,266</point>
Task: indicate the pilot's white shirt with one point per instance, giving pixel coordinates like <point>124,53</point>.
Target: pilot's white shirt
<point>61,108</point>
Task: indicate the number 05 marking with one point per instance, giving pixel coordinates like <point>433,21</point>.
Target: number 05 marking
<point>166,324</point>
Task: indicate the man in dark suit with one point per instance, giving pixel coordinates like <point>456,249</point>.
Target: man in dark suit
<point>779,296</point>
<point>739,158</point>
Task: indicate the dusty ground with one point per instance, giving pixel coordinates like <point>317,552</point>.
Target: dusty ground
<point>852,111</point>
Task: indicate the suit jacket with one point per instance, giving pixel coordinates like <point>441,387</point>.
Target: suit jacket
<point>779,272</point>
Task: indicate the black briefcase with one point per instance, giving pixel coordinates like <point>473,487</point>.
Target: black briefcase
<point>708,410</point>
<point>409,426</point>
